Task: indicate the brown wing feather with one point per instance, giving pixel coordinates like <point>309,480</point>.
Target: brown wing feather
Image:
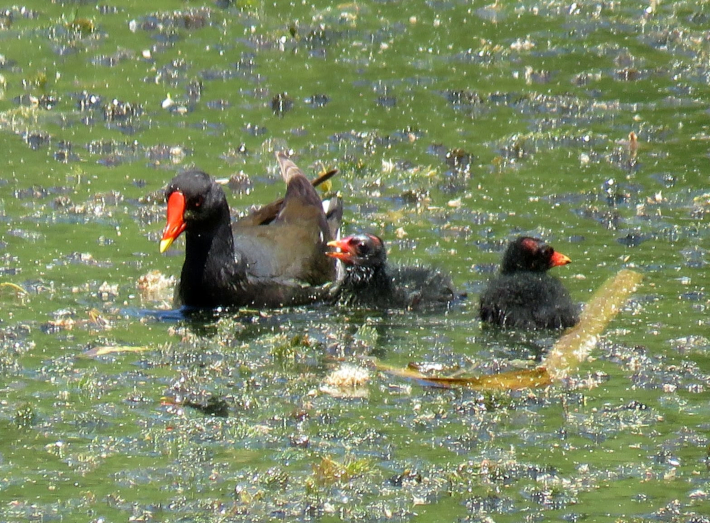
<point>268,213</point>
<point>287,238</point>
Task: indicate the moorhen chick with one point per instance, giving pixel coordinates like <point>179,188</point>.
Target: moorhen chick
<point>524,295</point>
<point>368,281</point>
<point>267,259</point>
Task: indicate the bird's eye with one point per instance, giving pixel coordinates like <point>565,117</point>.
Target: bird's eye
<point>363,248</point>
<point>199,201</point>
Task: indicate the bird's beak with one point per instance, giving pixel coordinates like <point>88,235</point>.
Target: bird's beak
<point>559,259</point>
<point>176,223</point>
<point>344,253</point>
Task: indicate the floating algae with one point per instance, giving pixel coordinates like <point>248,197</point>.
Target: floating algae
<point>566,355</point>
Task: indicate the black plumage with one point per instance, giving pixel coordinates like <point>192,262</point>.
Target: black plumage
<point>524,296</point>
<point>369,281</point>
<point>267,259</point>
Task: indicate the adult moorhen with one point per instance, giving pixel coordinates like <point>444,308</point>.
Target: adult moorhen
<point>269,258</point>
<point>368,281</point>
<point>524,295</point>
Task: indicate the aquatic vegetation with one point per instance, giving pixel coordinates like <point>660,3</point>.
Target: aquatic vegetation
<point>455,126</point>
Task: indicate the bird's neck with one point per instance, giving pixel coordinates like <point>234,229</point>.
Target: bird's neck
<point>210,266</point>
<point>510,270</point>
<point>375,279</point>
<point>210,243</point>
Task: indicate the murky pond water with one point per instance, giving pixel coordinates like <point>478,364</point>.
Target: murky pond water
<point>455,126</point>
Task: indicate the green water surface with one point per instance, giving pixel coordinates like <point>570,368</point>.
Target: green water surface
<point>455,126</point>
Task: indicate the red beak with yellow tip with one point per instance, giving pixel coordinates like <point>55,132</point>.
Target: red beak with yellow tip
<point>345,251</point>
<point>176,223</point>
<point>559,259</point>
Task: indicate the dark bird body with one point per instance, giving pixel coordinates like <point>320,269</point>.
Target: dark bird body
<point>369,281</point>
<point>524,296</point>
<point>268,259</point>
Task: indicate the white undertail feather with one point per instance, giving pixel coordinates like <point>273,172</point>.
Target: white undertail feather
<point>328,206</point>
